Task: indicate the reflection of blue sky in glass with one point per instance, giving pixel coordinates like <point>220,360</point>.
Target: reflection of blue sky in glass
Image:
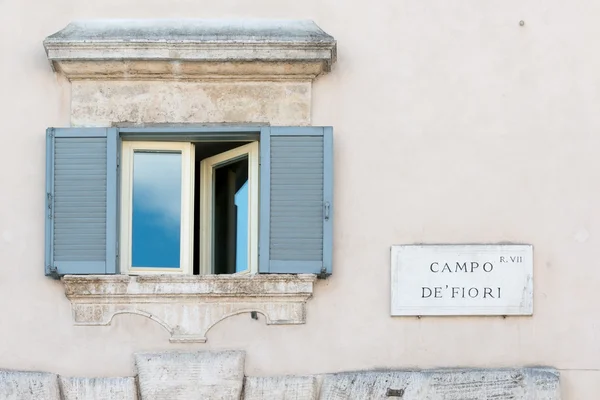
<point>156,219</point>
<point>241,251</point>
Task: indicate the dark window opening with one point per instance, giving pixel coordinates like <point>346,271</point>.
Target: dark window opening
<point>224,237</point>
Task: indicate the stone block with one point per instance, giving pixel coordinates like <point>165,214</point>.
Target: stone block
<point>367,385</point>
<point>281,388</point>
<point>98,388</point>
<point>190,375</point>
<point>22,385</point>
<point>499,384</point>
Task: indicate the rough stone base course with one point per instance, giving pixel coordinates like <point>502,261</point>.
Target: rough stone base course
<point>210,375</point>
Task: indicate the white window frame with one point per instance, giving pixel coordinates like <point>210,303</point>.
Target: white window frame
<point>187,206</point>
<point>207,167</point>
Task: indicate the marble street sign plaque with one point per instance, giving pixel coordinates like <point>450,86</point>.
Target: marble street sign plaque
<point>462,280</point>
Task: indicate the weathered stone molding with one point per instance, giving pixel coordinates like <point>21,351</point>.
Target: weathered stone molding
<point>191,49</point>
<point>188,306</point>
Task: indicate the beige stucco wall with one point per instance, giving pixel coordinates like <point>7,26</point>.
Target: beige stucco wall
<point>478,130</point>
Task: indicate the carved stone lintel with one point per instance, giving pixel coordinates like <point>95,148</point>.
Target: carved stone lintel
<point>188,306</point>
<point>106,103</point>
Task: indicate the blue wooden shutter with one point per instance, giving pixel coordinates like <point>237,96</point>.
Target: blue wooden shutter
<point>81,201</point>
<point>296,200</point>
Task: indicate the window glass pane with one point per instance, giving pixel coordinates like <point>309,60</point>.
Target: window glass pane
<point>156,215</point>
<point>241,249</point>
<point>231,217</point>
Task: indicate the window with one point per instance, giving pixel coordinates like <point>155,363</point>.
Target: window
<point>189,200</point>
<point>156,207</point>
<point>229,211</point>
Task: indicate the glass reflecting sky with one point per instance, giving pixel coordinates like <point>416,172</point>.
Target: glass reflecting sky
<point>241,243</point>
<point>156,219</point>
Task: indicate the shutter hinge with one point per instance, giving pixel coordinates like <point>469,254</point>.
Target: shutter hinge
<point>51,133</point>
<point>323,274</point>
<point>49,197</point>
<point>53,272</point>
<point>326,210</point>
<point>117,258</point>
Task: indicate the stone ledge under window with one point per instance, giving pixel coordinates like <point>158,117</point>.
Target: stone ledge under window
<point>188,306</point>
<point>183,49</point>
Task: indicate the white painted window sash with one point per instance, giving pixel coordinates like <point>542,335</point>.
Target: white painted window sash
<point>207,167</point>
<point>187,206</point>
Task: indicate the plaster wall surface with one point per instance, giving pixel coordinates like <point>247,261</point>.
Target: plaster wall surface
<point>480,131</point>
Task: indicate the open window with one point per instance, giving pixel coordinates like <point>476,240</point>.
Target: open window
<point>163,186</point>
<point>229,211</point>
<point>189,200</point>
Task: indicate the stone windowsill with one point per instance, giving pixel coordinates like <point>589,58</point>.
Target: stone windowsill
<point>188,306</point>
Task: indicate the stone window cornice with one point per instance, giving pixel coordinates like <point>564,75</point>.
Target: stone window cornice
<point>191,49</point>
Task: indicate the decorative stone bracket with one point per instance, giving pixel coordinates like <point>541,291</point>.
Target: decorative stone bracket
<point>188,306</point>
